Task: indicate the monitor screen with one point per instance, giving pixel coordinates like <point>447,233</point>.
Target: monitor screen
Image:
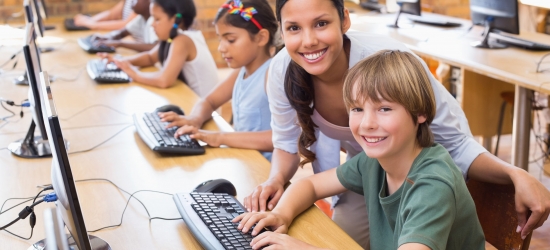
<point>33,67</point>
<point>33,15</point>
<point>43,9</point>
<point>501,15</point>
<point>62,177</point>
<point>410,6</point>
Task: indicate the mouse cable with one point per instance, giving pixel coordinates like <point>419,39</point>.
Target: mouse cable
<point>126,206</point>
<point>108,139</point>
<point>61,78</point>
<point>93,106</point>
<point>540,62</point>
<point>11,58</point>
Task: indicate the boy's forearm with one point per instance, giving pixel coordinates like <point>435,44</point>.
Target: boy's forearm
<point>297,198</point>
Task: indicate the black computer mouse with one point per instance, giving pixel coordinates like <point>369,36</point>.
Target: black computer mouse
<point>216,186</point>
<point>170,107</point>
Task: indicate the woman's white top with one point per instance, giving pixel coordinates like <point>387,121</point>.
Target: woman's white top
<point>201,74</point>
<point>450,127</point>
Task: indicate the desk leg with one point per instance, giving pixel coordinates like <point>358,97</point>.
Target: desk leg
<point>521,127</point>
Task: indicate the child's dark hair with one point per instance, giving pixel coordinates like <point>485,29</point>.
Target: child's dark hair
<point>264,17</point>
<point>300,93</point>
<point>184,7</point>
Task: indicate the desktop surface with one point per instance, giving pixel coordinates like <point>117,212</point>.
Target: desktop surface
<point>128,161</point>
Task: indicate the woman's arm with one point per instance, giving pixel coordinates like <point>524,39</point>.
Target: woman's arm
<point>530,195</point>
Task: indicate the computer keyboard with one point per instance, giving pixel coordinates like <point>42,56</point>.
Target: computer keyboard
<point>518,42</point>
<point>103,72</point>
<point>88,45</point>
<point>208,216</point>
<point>70,26</point>
<point>154,133</point>
<point>436,21</point>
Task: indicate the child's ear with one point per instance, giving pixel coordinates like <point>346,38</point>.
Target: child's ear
<point>262,37</point>
<point>421,119</point>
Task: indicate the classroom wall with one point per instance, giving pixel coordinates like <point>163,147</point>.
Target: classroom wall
<point>206,11</point>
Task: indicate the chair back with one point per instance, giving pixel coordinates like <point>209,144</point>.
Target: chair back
<point>495,207</point>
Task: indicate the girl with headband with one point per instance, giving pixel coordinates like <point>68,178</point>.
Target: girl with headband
<point>246,30</point>
<point>183,53</point>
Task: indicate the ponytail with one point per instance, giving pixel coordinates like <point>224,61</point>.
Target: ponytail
<point>300,93</point>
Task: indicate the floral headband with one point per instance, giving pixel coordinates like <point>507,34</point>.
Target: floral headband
<point>236,7</point>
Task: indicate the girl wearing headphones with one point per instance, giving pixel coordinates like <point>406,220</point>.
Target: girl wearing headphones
<point>183,53</point>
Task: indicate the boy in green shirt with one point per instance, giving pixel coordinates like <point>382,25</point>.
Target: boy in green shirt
<point>416,196</point>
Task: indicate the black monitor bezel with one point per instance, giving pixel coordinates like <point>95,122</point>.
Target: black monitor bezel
<point>33,76</point>
<point>57,144</point>
<point>408,7</point>
<point>507,22</point>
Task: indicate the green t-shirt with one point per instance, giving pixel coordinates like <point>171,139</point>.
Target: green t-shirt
<point>432,207</point>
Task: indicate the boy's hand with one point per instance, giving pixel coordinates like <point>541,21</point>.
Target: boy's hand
<point>213,139</point>
<point>177,120</point>
<point>278,241</point>
<point>274,221</point>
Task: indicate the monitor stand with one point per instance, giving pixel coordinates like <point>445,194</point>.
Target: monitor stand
<point>31,146</point>
<point>96,242</point>
<point>24,80</point>
<point>395,25</point>
<point>485,43</point>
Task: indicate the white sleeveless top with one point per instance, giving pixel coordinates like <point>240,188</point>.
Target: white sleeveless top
<point>201,74</point>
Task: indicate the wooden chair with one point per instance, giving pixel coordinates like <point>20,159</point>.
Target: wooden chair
<point>495,207</point>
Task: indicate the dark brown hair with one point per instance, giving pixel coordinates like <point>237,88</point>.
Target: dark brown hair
<point>265,17</point>
<point>300,93</point>
<point>398,77</point>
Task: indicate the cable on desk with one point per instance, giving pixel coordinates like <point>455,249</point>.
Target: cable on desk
<point>71,79</point>
<point>125,207</point>
<point>540,62</point>
<point>93,106</point>
<point>28,210</point>
<point>108,139</point>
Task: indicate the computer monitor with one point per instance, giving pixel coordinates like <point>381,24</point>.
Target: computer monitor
<point>68,204</point>
<point>43,9</point>
<point>373,5</point>
<point>54,228</point>
<point>409,7</point>
<point>495,15</point>
<point>32,146</point>
<point>32,12</point>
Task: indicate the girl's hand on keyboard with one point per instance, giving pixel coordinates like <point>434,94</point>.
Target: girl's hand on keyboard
<point>177,120</point>
<point>278,241</point>
<point>210,137</point>
<point>106,56</point>
<point>271,220</point>
<point>126,66</point>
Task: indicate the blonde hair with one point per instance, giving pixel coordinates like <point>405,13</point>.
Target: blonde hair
<point>396,77</point>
